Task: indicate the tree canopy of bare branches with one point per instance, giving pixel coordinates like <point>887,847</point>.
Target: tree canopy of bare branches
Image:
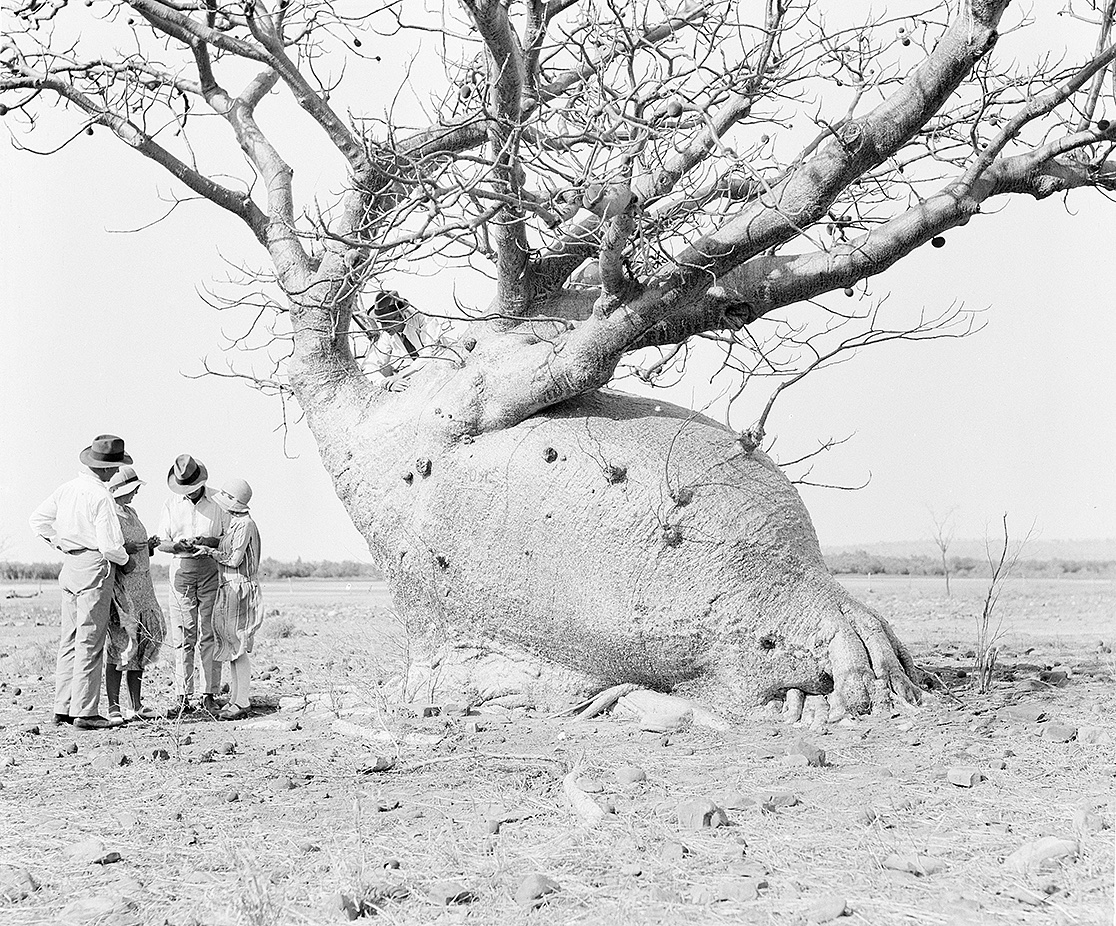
<point>627,174</point>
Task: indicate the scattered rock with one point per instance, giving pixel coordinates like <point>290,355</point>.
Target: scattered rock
<point>737,800</point>
<point>1024,895</point>
<point>226,749</point>
<point>826,909</point>
<point>31,730</point>
<point>672,853</point>
<point>16,884</point>
<point>964,776</point>
<point>590,785</point>
<point>107,761</point>
<point>535,890</point>
<point>159,755</point>
<point>700,813</point>
<point>1041,853</point>
<point>102,909</point>
<point>341,906</point>
<point>70,749</point>
<point>283,783</point>
<point>814,755</point>
<point>866,816</point>
<point>391,864</point>
<point>1094,736</point>
<point>386,804</point>
<point>1086,818</point>
<point>921,865</point>
<point>773,799</point>
<point>375,764</point>
<point>741,891</point>
<point>628,775</point>
<point>91,852</point>
<point>631,870</point>
<point>231,797</point>
<point>446,893</point>
<point>307,845</point>
<point>1059,678</point>
<point>1026,713</point>
<point>1058,732</point>
<point>292,726</point>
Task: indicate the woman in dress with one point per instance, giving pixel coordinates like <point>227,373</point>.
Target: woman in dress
<point>137,627</point>
<point>238,612</point>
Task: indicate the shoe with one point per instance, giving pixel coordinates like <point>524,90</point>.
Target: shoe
<point>181,706</point>
<point>233,712</point>
<point>91,723</point>
<point>144,713</point>
<point>60,719</point>
<point>116,718</point>
<point>209,704</point>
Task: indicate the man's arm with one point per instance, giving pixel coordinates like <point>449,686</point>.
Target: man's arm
<point>110,538</point>
<point>42,520</point>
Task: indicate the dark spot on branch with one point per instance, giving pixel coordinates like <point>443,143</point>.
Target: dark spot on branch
<point>469,343</point>
<point>408,478</point>
<point>422,467</point>
<point>441,561</point>
<point>767,642</point>
<point>615,473</point>
<point>672,535</point>
<point>550,454</point>
<point>682,496</point>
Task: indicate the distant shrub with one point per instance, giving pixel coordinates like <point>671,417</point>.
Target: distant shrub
<point>862,563</point>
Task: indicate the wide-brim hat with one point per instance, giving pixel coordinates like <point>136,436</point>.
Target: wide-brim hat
<point>106,452</point>
<point>126,480</point>
<point>234,496</point>
<point>187,475</point>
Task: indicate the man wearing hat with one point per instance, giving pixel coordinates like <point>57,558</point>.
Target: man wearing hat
<point>80,520</point>
<point>191,527</point>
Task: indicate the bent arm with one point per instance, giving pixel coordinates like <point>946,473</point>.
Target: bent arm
<point>42,520</point>
<point>233,546</point>
<point>110,538</point>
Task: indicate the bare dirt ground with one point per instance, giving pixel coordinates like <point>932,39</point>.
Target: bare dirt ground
<point>280,819</point>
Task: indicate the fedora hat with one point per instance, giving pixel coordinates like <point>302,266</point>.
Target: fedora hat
<point>106,452</point>
<point>186,475</point>
<point>124,481</point>
<point>234,495</point>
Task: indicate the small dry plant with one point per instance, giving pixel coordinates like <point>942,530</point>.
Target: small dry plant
<point>991,621</point>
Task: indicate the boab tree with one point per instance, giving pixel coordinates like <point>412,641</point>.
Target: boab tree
<point>629,178</point>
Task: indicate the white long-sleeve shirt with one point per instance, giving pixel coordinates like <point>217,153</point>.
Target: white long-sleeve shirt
<point>182,519</point>
<point>81,515</point>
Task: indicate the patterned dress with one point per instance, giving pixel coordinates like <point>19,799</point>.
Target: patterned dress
<point>239,611</point>
<point>136,627</point>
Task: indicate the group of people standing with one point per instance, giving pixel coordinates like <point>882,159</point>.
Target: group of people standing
<point>112,624</point>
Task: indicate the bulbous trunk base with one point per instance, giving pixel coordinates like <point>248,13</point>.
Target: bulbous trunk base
<point>612,539</point>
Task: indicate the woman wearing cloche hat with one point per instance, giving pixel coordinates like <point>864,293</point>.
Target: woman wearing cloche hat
<point>238,612</point>
<point>137,626</point>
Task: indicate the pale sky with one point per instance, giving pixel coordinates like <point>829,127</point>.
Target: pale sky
<point>101,329</point>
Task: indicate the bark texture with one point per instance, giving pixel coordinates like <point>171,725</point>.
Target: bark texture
<point>608,539</point>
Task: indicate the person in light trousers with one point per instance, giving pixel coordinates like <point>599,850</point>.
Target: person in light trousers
<point>191,527</point>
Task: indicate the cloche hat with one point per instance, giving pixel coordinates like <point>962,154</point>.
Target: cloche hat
<point>106,452</point>
<point>234,495</point>
<point>186,475</point>
<point>124,481</point>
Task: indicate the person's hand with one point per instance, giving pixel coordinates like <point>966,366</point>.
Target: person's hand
<point>130,547</point>
<point>182,546</point>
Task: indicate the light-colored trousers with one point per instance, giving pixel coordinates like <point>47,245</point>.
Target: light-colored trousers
<point>86,582</point>
<point>193,591</point>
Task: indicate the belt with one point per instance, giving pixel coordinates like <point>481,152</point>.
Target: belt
<point>80,550</point>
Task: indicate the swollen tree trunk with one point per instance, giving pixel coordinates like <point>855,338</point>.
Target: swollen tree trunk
<point>606,539</point>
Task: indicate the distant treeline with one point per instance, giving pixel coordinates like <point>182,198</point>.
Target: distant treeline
<point>269,569</point>
<point>862,563</point>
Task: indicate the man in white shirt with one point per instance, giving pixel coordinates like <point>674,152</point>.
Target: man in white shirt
<point>80,520</point>
<point>191,527</point>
